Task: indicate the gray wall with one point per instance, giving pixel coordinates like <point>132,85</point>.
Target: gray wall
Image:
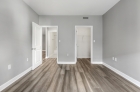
<point>66,34</point>
<point>43,42</point>
<point>15,37</point>
<point>121,37</point>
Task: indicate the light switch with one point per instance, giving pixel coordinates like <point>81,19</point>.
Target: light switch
<point>115,59</point>
<point>27,59</point>
<point>93,40</point>
<point>59,41</point>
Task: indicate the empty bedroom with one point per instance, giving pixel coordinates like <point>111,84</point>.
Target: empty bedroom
<point>69,45</point>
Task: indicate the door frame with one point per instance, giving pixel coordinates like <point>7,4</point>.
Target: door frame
<point>91,57</point>
<point>46,26</point>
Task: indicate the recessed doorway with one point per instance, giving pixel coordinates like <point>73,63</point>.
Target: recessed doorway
<point>84,42</point>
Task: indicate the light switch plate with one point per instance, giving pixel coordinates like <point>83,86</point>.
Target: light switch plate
<point>115,59</point>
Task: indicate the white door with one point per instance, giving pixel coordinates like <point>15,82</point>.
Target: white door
<point>36,45</point>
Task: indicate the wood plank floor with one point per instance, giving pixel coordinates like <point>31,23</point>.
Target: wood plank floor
<point>81,77</point>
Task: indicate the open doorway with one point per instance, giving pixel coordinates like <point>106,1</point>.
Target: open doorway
<point>50,42</point>
<point>40,43</point>
<point>84,42</point>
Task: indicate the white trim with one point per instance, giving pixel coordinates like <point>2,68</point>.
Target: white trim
<point>8,83</point>
<point>75,45</point>
<point>132,80</point>
<point>96,62</point>
<point>64,62</point>
<point>91,41</point>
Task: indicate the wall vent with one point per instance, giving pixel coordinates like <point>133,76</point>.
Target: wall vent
<point>85,17</point>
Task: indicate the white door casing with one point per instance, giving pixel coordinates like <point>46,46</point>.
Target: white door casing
<point>36,45</point>
<point>91,42</point>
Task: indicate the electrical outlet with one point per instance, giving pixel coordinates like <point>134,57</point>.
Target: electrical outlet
<point>115,59</point>
<point>27,59</point>
<point>94,41</point>
<point>9,67</point>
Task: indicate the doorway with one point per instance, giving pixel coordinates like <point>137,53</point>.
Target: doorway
<point>84,42</point>
<point>51,41</point>
<point>39,40</point>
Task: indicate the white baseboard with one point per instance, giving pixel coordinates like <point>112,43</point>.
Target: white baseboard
<point>8,83</point>
<point>66,62</point>
<point>132,80</point>
<point>96,62</point>
<point>62,62</point>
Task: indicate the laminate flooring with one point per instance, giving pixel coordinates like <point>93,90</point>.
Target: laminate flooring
<point>81,77</point>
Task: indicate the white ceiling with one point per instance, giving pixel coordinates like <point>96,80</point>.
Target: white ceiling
<point>71,7</point>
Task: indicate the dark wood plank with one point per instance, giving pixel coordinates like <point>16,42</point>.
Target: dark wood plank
<point>66,86</point>
<point>73,84</point>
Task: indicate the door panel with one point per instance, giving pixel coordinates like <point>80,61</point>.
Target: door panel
<point>36,45</point>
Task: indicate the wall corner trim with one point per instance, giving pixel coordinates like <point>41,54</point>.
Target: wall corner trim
<point>8,83</point>
<point>130,79</point>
